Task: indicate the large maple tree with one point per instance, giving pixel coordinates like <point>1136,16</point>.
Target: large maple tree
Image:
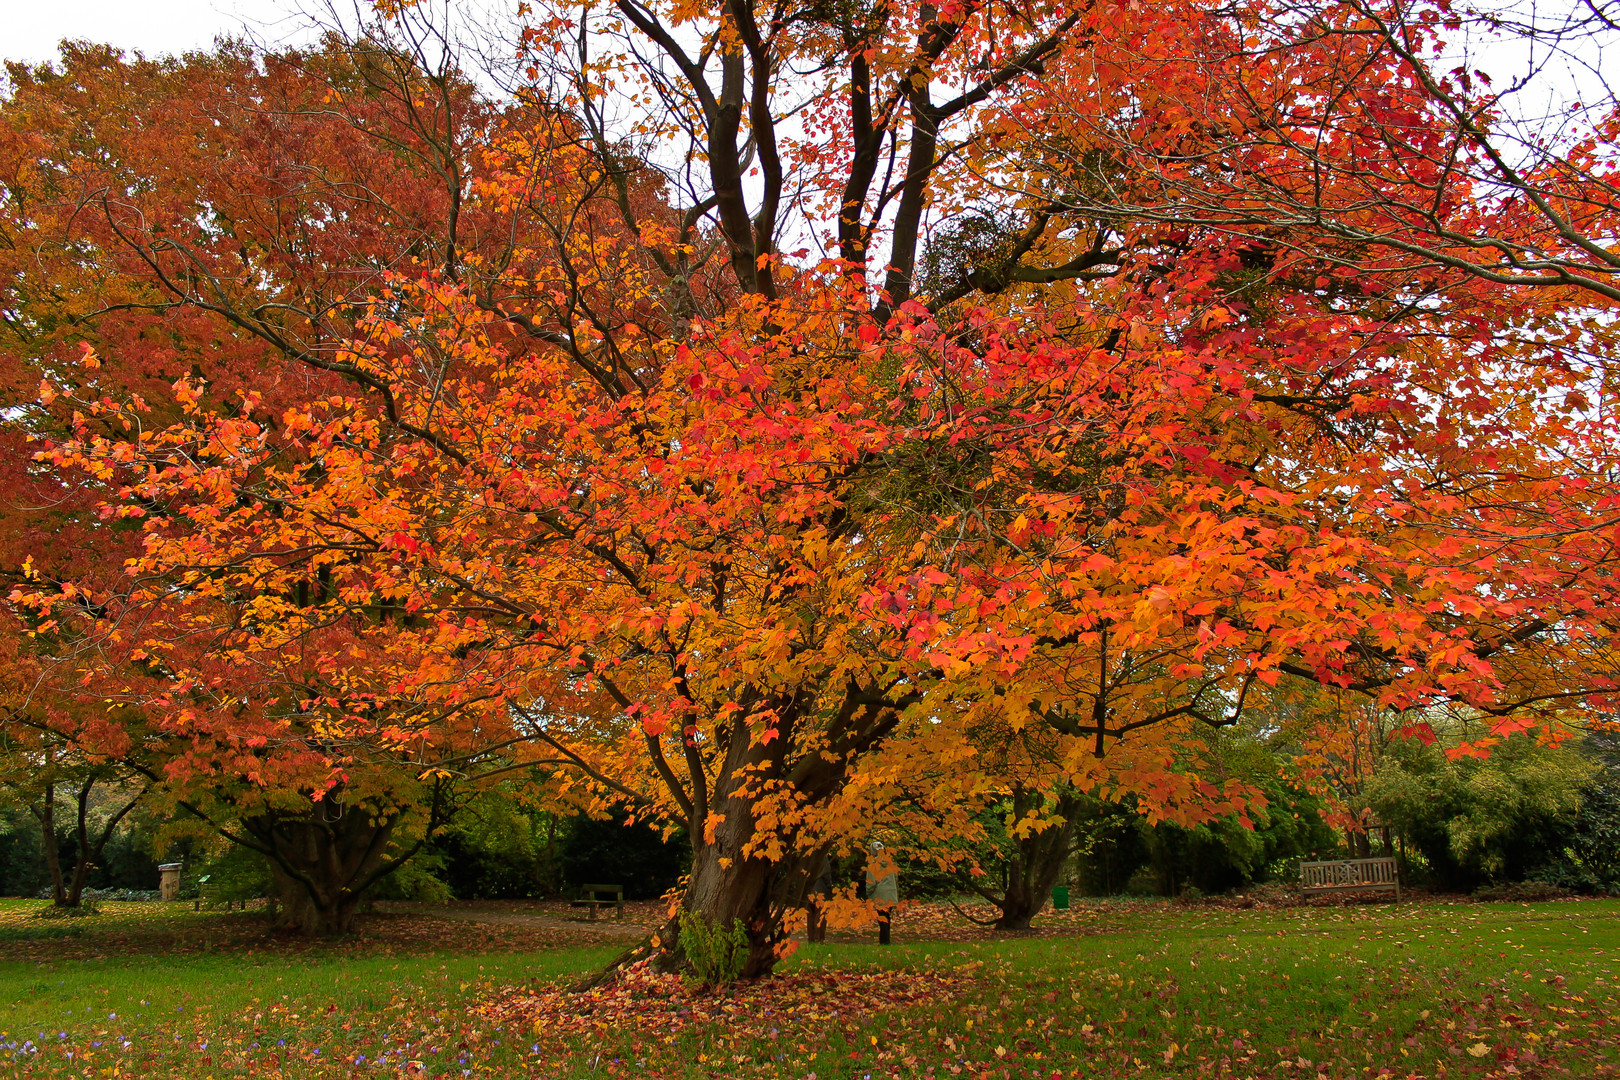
<point>843,379</point>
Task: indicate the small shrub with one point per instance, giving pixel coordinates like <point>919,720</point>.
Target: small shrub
<point>1571,878</point>
<point>416,881</point>
<point>40,933</point>
<point>1144,882</point>
<point>235,874</point>
<point>1284,871</point>
<point>122,895</point>
<point>1524,892</point>
<point>85,908</point>
<point>716,954</point>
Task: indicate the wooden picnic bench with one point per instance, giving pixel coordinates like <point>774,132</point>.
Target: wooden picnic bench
<point>1343,875</point>
<point>590,896</point>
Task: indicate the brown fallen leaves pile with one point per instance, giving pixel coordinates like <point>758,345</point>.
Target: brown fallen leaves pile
<point>642,1001</point>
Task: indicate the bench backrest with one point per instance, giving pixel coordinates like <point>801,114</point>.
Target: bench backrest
<point>1347,873</point>
<point>616,890</point>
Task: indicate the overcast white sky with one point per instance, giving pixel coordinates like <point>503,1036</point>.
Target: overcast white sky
<point>30,29</point>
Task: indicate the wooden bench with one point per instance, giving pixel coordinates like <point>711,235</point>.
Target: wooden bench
<point>1344,875</point>
<point>590,896</point>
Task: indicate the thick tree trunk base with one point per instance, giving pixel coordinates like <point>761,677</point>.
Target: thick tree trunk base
<point>1035,867</point>
<point>722,891</point>
<point>321,869</point>
<point>1020,904</point>
<point>298,914</point>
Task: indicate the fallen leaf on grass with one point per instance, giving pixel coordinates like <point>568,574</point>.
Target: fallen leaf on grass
<point>643,1000</point>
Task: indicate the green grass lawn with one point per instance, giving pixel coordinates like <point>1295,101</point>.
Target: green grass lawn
<point>1416,990</point>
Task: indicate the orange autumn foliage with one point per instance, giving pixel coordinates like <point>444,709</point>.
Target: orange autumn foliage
<point>733,532</point>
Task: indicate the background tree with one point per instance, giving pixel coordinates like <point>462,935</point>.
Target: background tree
<point>59,786</point>
<point>218,217</point>
<point>1589,859</point>
<point>1477,820</point>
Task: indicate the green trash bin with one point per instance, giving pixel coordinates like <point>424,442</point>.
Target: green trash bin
<point>1060,898</point>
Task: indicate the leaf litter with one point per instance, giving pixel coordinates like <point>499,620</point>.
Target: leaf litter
<point>644,1001</point>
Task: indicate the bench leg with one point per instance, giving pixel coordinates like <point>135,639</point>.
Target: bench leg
<point>593,911</point>
<point>620,911</point>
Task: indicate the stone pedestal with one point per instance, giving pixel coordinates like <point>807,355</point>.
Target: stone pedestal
<point>170,881</point>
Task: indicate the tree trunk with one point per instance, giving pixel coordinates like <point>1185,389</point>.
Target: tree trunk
<point>1036,864</point>
<point>87,854</point>
<point>323,868</point>
<point>721,894</point>
<point>45,813</point>
<point>728,882</point>
<point>725,884</point>
<point>75,885</point>
<point>723,888</point>
<point>302,910</point>
<point>553,882</point>
<point>66,892</point>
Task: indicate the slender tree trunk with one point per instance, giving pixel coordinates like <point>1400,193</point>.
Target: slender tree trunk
<point>87,855</point>
<point>553,885</point>
<point>67,892</point>
<point>45,813</point>
<point>76,884</point>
